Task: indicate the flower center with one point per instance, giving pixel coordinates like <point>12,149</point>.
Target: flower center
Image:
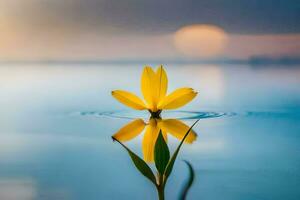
<point>155,114</point>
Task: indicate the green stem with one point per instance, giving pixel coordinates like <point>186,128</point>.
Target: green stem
<point>160,188</point>
<point>161,193</point>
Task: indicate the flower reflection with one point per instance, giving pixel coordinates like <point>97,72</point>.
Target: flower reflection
<point>173,126</point>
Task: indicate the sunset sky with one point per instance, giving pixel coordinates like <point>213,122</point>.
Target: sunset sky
<point>137,29</point>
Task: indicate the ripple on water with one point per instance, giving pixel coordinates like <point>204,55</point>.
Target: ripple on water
<point>184,115</point>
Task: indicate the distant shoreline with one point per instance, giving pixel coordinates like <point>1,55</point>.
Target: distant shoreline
<point>253,61</point>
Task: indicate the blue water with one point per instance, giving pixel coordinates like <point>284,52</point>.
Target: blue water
<point>56,122</point>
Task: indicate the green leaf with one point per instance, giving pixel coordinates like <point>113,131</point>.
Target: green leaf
<point>189,182</point>
<point>161,153</point>
<point>170,165</point>
<point>140,164</point>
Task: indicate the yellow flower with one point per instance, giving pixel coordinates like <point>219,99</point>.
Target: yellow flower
<point>173,126</point>
<point>154,89</point>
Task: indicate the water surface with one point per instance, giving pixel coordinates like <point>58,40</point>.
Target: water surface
<point>56,122</point>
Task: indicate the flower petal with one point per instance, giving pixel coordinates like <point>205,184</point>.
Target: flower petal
<point>149,140</point>
<point>148,86</point>
<point>162,83</point>
<point>164,133</point>
<point>129,99</point>
<point>177,99</point>
<point>130,130</point>
<point>178,129</point>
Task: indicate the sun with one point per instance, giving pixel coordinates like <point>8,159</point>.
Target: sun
<point>200,40</point>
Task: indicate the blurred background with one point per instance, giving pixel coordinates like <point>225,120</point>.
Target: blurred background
<point>60,60</point>
<point>134,29</point>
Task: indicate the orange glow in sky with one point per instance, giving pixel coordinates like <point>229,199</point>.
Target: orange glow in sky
<point>200,40</point>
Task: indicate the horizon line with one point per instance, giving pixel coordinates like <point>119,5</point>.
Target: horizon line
<point>254,60</point>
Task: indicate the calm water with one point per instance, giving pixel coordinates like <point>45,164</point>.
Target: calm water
<point>56,123</point>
